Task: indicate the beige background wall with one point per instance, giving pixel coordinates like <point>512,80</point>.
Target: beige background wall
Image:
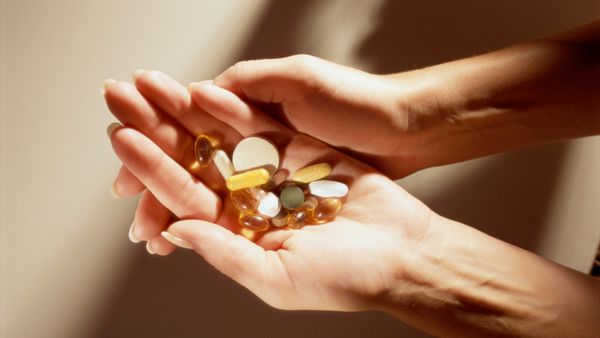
<point>67,267</point>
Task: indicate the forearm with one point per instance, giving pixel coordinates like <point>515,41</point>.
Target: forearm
<point>532,93</point>
<point>465,283</point>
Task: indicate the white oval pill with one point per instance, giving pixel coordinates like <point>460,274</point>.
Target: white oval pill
<point>254,152</point>
<point>269,205</point>
<point>326,188</point>
<point>223,164</point>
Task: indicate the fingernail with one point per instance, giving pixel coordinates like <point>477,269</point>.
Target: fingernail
<point>136,74</point>
<point>149,248</point>
<point>113,190</point>
<point>111,128</point>
<point>132,236</point>
<point>193,86</point>
<point>176,240</point>
<point>105,85</point>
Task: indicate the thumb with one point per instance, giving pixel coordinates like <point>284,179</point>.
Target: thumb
<point>271,80</point>
<point>233,255</point>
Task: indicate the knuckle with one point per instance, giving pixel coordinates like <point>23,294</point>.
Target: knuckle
<point>305,62</point>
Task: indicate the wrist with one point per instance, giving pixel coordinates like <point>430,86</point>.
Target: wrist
<point>461,282</point>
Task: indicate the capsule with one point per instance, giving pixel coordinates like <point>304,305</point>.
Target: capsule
<point>204,150</point>
<point>297,219</point>
<point>253,221</point>
<point>281,219</point>
<point>247,179</point>
<point>326,210</point>
<point>243,200</point>
<point>309,205</point>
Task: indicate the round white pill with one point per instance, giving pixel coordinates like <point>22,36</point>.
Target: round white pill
<point>269,205</point>
<point>254,152</point>
<point>326,188</point>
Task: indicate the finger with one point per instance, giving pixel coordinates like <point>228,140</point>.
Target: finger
<point>151,217</point>
<point>126,184</point>
<point>172,185</point>
<point>174,99</point>
<point>160,246</point>
<point>270,80</point>
<point>229,108</point>
<point>133,110</point>
<point>233,255</point>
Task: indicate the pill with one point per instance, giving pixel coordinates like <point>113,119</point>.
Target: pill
<point>269,205</point>
<point>326,210</point>
<point>326,188</point>
<point>281,219</point>
<point>291,197</point>
<point>258,193</point>
<point>223,164</point>
<point>312,173</point>
<point>254,152</point>
<point>253,221</point>
<point>247,179</point>
<point>243,200</point>
<point>276,179</point>
<point>204,150</point>
<point>309,205</point>
<point>297,219</point>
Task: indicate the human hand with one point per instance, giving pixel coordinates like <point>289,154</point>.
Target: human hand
<point>346,264</point>
<point>384,251</point>
<point>374,118</point>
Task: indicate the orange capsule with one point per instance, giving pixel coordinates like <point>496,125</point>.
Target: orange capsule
<point>253,221</point>
<point>326,210</point>
<point>204,150</point>
<point>281,219</point>
<point>297,219</point>
<point>309,205</point>
<point>244,200</point>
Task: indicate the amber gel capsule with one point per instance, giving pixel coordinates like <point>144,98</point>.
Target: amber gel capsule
<point>204,150</point>
<point>309,205</point>
<point>243,200</point>
<point>281,219</point>
<point>326,210</point>
<point>297,219</point>
<point>253,221</point>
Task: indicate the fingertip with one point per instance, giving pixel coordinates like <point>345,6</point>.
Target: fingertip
<point>160,246</point>
<point>105,85</point>
<point>132,236</point>
<point>136,74</point>
<point>114,191</point>
<point>176,240</point>
<point>112,127</point>
<point>123,134</point>
<point>199,85</point>
<point>126,184</point>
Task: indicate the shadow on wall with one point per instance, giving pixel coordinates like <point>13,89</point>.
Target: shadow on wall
<point>182,296</point>
<point>509,196</point>
<point>415,34</point>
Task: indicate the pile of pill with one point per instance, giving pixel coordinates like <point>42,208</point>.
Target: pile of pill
<point>263,193</point>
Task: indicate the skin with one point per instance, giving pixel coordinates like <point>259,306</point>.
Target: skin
<point>438,275</point>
